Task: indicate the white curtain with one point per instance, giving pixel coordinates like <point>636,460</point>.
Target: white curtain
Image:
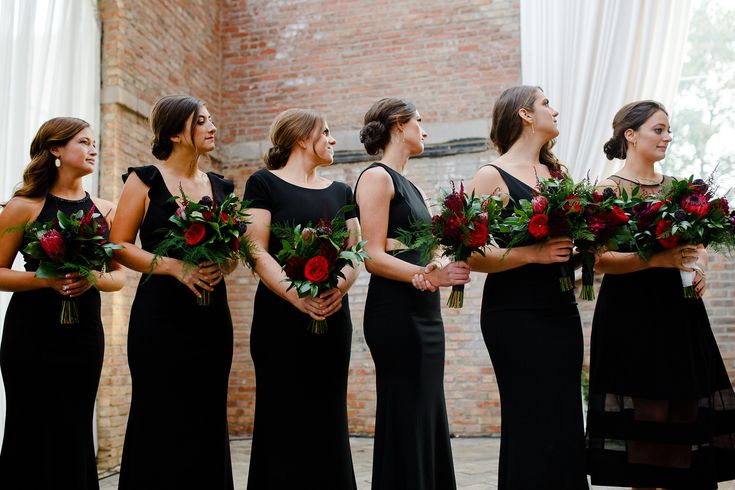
<point>50,52</point>
<point>591,57</point>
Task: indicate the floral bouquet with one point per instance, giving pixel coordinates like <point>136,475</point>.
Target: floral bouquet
<point>313,257</point>
<point>606,222</point>
<point>206,231</point>
<point>554,211</point>
<point>461,228</point>
<point>685,212</point>
<point>70,243</point>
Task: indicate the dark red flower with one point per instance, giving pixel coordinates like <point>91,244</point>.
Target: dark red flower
<point>316,269</point>
<point>224,217</point>
<point>538,226</point>
<point>695,204</point>
<point>558,224</point>
<point>88,218</point>
<point>208,215</point>
<point>619,215</point>
<point>294,268</point>
<point>235,244</point>
<point>478,236</point>
<point>664,236</point>
<point>195,233</point>
<point>571,204</point>
<point>53,244</point>
<point>603,225</point>
<point>596,196</point>
<point>328,251</point>
<point>538,204</point>
<point>451,228</point>
<point>454,201</point>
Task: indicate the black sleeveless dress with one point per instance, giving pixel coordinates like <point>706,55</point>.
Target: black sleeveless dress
<point>300,435</point>
<point>404,330</point>
<point>662,408</point>
<point>533,333</point>
<point>51,373</point>
<point>179,355</point>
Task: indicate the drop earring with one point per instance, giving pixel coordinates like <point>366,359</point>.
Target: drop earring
<point>57,162</point>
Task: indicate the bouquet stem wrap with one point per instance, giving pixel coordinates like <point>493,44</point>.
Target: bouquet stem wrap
<point>565,276</point>
<point>456,297</point>
<point>588,276</point>
<point>318,327</point>
<point>687,278</point>
<point>205,299</point>
<point>69,312</point>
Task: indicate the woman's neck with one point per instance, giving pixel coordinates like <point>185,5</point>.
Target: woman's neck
<point>68,187</point>
<point>396,157</point>
<point>637,168</point>
<point>300,170</point>
<point>183,163</point>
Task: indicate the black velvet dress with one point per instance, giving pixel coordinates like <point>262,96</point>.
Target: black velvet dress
<point>405,333</point>
<point>662,408</point>
<point>300,436</point>
<point>179,355</point>
<point>533,333</point>
<point>51,373</point>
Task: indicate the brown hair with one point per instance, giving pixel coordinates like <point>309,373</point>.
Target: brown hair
<point>40,174</point>
<point>289,127</point>
<point>630,116</point>
<point>168,118</point>
<point>507,125</point>
<point>380,119</point>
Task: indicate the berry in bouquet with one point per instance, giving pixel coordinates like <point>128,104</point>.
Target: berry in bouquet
<point>461,228</point>
<point>606,222</point>
<point>70,243</point>
<point>206,231</point>
<point>555,210</point>
<point>312,257</point>
<point>685,212</point>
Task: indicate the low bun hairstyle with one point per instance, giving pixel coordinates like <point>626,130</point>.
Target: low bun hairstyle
<point>289,127</point>
<point>40,174</point>
<point>379,121</point>
<point>168,118</point>
<point>630,116</point>
<point>507,124</point>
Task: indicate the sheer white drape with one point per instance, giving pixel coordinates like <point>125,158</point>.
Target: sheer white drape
<point>50,52</point>
<point>591,57</point>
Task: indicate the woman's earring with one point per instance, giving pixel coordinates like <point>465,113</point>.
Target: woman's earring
<point>57,162</point>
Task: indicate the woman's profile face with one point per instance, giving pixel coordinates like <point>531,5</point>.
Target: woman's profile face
<point>652,138</point>
<point>414,135</point>
<point>322,144</point>
<point>545,116</point>
<point>204,131</point>
<point>79,154</point>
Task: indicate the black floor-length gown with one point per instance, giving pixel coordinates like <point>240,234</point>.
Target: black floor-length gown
<point>533,333</point>
<point>662,408</point>
<point>300,436</point>
<point>179,355</point>
<point>405,333</point>
<point>51,373</point>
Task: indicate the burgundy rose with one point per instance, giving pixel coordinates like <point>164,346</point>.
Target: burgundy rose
<point>329,251</point>
<point>478,236</point>
<point>538,226</point>
<point>558,225</point>
<point>664,235</point>
<point>195,233</point>
<point>53,244</point>
<point>316,269</point>
<point>619,215</point>
<point>294,268</point>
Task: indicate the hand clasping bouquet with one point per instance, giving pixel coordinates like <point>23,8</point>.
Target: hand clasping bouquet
<point>70,243</point>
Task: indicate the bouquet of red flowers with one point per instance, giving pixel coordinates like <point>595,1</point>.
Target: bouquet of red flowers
<point>207,231</point>
<point>606,222</point>
<point>555,210</point>
<point>70,243</point>
<point>461,228</point>
<point>685,212</point>
<point>313,257</point>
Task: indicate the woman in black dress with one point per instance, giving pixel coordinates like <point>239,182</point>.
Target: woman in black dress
<point>51,371</point>
<point>531,328</point>
<point>300,377</point>
<point>662,408</point>
<point>403,323</point>
<point>179,352</point>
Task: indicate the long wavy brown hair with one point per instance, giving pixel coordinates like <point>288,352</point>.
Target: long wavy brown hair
<point>508,126</point>
<point>40,174</point>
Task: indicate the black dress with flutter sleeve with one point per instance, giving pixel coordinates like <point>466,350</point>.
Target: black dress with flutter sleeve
<point>300,436</point>
<point>179,355</point>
